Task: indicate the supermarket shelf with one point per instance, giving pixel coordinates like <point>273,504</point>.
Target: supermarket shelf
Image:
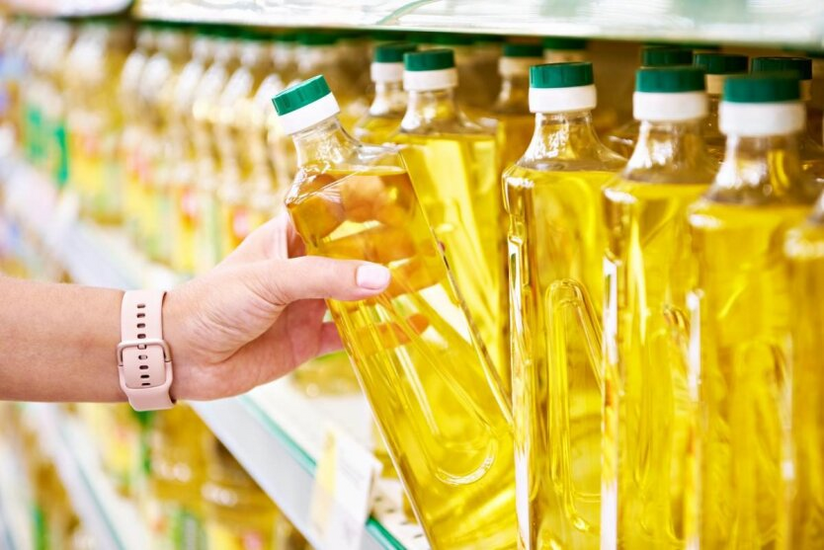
<point>798,23</point>
<point>275,431</point>
<point>66,8</point>
<point>113,520</point>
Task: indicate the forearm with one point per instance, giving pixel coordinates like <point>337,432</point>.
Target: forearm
<point>57,342</point>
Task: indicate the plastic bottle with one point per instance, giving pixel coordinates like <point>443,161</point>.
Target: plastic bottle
<point>622,139</point>
<point>815,107</point>
<point>389,105</point>
<point>478,86</point>
<point>133,128</point>
<point>511,109</point>
<point>717,66</point>
<point>647,270</point>
<point>453,163</point>
<point>238,514</point>
<point>426,375</point>
<point>174,505</point>
<point>556,242</point>
<point>804,253</point>
<point>564,50</point>
<point>205,111</point>
<point>741,311</point>
<point>812,154</point>
<point>240,132</point>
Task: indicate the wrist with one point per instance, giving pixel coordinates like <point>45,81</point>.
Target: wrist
<point>174,334</point>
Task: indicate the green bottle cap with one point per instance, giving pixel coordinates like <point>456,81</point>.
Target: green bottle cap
<point>393,52</point>
<point>721,63</point>
<point>762,87</point>
<point>430,60</point>
<point>317,39</point>
<point>665,56</point>
<point>669,80</point>
<point>561,75</point>
<point>517,49</point>
<point>453,39</point>
<point>300,95</point>
<point>484,38</point>
<point>803,66</point>
<point>564,44</point>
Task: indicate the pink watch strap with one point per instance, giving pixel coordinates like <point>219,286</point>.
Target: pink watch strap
<point>143,357</point>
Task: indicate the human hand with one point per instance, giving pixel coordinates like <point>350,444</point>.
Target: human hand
<point>259,314</point>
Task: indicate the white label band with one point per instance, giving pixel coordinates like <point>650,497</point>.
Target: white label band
<point>761,119</point>
<point>669,107</point>
<point>309,115</point>
<point>421,81</point>
<point>562,100</point>
<point>386,72</point>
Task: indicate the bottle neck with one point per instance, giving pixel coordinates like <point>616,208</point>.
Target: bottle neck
<point>761,169</point>
<point>676,146</point>
<point>430,106</point>
<point>324,143</point>
<point>563,135</point>
<point>390,99</point>
<point>514,92</point>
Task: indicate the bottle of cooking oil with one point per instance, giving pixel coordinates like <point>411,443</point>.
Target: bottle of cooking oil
<point>563,50</point>
<point>133,128</point>
<point>717,66</point>
<point>556,243</point>
<point>238,514</point>
<point>815,107</point>
<point>208,167</point>
<point>647,273</point>
<point>742,309</point>
<point>177,471</point>
<point>389,105</point>
<point>183,177</point>
<point>622,139</point>
<point>453,164</point>
<point>511,109</point>
<point>478,82</point>
<point>812,154</point>
<point>804,252</point>
<point>425,373</point>
<point>241,143</point>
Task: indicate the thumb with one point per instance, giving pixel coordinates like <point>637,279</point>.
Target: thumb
<point>313,277</point>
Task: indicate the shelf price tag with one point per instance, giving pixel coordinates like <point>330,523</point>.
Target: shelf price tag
<point>343,491</point>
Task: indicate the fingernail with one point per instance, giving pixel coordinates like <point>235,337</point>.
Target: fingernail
<point>372,277</point>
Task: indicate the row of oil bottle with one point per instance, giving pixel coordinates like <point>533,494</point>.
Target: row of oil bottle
<point>683,414</point>
<point>189,490</point>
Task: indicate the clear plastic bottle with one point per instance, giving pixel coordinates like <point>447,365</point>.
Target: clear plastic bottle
<point>238,514</point>
<point>556,243</point>
<point>741,312</point>
<point>453,163</point>
<point>812,154</point>
<point>515,124</point>
<point>622,139</point>
<point>389,105</point>
<point>717,66</point>
<point>134,129</point>
<point>478,80</point>
<point>205,112</point>
<point>174,505</point>
<point>647,270</point>
<point>804,253</point>
<point>426,375</point>
<point>559,49</point>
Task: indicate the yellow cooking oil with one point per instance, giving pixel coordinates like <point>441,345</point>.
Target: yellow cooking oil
<point>804,251</point>
<point>425,373</point>
<point>556,242</point>
<point>453,164</point>
<point>511,109</point>
<point>389,104</point>
<point>743,311</point>
<point>717,66</point>
<point>622,139</point>
<point>238,515</point>
<point>208,165</point>
<point>647,437</point>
